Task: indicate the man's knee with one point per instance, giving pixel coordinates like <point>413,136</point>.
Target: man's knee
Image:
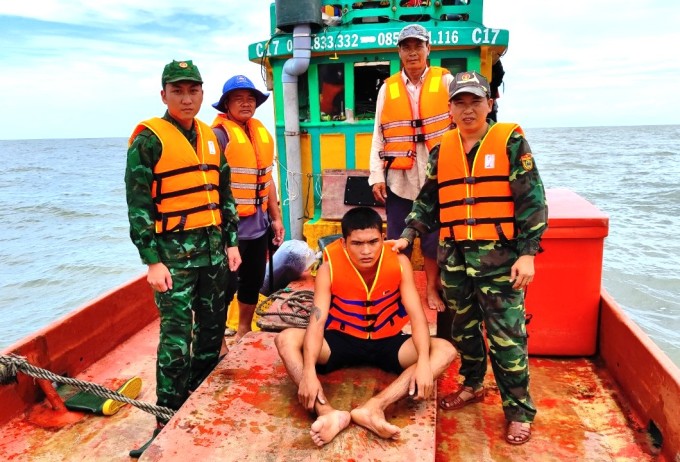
<point>289,339</point>
<point>443,350</point>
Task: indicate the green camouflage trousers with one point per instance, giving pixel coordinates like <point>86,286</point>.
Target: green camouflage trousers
<point>193,320</point>
<point>476,283</point>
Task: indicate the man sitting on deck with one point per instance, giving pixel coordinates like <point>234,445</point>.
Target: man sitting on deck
<point>351,324</point>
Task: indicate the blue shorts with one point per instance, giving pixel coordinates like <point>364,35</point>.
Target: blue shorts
<point>397,209</point>
<point>349,351</point>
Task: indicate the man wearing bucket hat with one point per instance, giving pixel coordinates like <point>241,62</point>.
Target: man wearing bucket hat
<point>484,191</point>
<point>182,217</point>
<point>410,117</point>
<point>249,149</point>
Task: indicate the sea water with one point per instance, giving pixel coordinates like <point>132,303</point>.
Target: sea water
<point>64,237</point>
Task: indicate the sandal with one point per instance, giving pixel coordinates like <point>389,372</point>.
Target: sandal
<point>518,432</point>
<point>454,401</point>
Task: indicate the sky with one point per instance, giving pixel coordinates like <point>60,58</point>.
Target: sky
<point>86,69</point>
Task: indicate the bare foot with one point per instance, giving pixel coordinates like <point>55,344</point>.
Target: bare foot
<point>434,300</point>
<point>239,335</point>
<point>327,426</point>
<point>518,432</point>
<point>374,420</point>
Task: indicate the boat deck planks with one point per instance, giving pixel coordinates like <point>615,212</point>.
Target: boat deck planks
<point>580,418</point>
<point>582,415</point>
<point>248,410</point>
<point>92,437</point>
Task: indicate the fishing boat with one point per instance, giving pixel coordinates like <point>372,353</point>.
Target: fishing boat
<point>603,389</point>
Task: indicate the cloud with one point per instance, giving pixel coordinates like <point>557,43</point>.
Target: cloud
<point>77,62</point>
<point>587,63</point>
<point>80,61</point>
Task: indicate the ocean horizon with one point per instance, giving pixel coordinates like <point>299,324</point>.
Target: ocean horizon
<point>66,242</point>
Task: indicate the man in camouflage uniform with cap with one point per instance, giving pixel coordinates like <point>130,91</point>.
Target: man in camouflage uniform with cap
<point>184,223</point>
<point>485,193</point>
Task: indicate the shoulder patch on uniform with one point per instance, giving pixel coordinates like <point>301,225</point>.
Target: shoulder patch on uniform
<point>527,161</point>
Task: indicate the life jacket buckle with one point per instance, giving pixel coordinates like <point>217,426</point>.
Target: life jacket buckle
<point>469,180</point>
<point>416,123</point>
<point>470,221</point>
<point>469,201</point>
<point>203,167</point>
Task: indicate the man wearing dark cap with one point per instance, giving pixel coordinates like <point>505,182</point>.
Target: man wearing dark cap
<point>182,218</point>
<point>411,116</point>
<point>249,149</point>
<point>485,192</point>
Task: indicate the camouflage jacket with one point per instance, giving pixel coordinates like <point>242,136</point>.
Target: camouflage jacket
<point>531,212</point>
<point>186,249</point>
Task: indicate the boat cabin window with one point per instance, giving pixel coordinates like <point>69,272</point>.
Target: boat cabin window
<point>303,97</point>
<point>368,77</point>
<point>332,91</point>
<point>454,65</point>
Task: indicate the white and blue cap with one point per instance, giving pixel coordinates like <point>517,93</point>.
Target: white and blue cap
<point>240,82</point>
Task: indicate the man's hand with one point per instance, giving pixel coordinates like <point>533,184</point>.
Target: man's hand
<point>233,258</point>
<point>380,192</point>
<point>422,381</point>
<point>159,277</point>
<point>522,272</point>
<point>398,245</point>
<point>310,390</point>
<point>279,232</point>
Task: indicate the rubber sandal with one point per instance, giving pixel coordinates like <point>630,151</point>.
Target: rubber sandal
<point>453,401</point>
<point>517,433</point>
<point>130,389</point>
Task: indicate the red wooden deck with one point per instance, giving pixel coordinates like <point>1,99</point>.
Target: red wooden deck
<point>248,410</point>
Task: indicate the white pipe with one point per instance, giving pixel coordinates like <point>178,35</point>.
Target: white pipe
<point>292,68</point>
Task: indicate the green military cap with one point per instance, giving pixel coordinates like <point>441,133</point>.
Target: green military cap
<point>469,82</point>
<point>177,71</point>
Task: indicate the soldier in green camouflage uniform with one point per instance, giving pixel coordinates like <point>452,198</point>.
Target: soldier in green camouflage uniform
<point>188,270</point>
<point>480,278</point>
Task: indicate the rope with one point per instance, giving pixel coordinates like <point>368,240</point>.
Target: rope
<point>295,308</point>
<point>11,364</point>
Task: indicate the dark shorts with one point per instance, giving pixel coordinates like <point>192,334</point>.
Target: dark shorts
<point>349,351</point>
<point>397,209</point>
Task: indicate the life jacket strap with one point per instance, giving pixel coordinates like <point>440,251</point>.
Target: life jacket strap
<point>472,180</point>
<point>475,200</point>
<point>163,217</point>
<point>206,187</point>
<point>477,221</point>
<point>179,171</point>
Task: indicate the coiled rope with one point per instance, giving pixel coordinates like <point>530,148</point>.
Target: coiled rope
<point>294,309</point>
<point>11,364</point>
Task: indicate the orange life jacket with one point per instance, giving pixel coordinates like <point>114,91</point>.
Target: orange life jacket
<point>251,162</point>
<point>185,181</point>
<point>476,204</point>
<point>356,310</point>
<point>402,129</point>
